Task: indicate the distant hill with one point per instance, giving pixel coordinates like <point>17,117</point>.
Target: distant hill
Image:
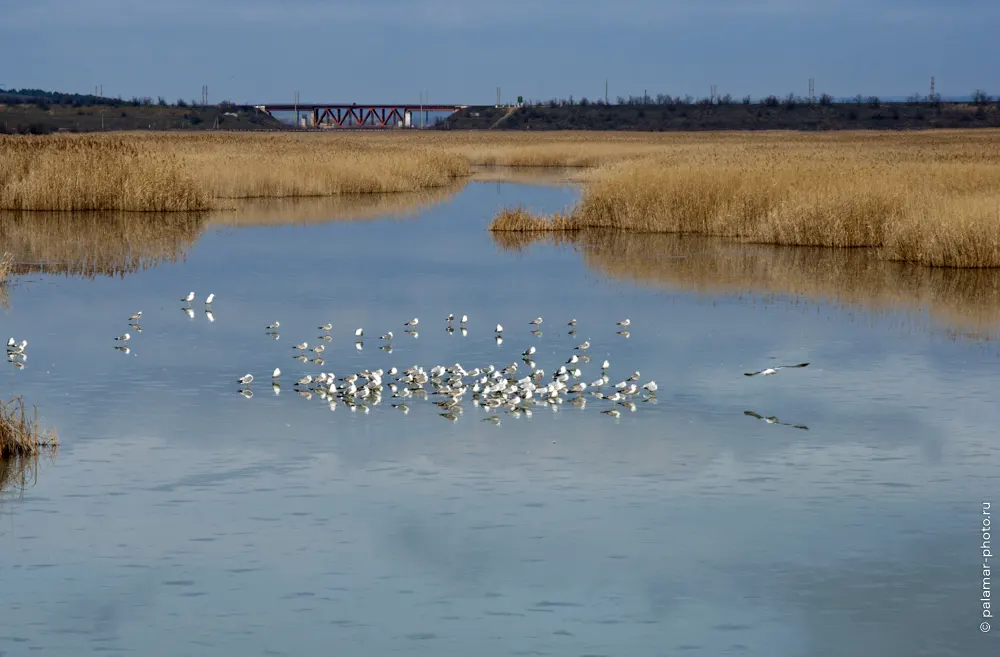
<point>40,112</point>
<point>772,114</point>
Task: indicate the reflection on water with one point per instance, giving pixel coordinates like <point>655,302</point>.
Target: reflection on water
<point>321,209</point>
<point>964,301</point>
<point>96,243</point>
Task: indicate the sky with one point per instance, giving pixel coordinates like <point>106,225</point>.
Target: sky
<point>460,51</point>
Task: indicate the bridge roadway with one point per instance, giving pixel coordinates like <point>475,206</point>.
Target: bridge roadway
<point>360,115</point>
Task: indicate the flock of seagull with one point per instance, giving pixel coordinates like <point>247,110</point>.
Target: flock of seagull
<point>515,388</point>
<point>491,388</point>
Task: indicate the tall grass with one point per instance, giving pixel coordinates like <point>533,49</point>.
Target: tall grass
<point>19,433</point>
<point>6,263</point>
<point>73,173</point>
<point>929,200</point>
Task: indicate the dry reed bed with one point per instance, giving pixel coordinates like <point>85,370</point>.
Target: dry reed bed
<point>928,199</point>
<point>20,435</point>
<point>96,244</point>
<point>963,301</point>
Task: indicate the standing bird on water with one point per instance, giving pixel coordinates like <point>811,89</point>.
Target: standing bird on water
<point>189,298</point>
<point>571,322</point>
<point>499,328</point>
<point>412,322</point>
<point>209,299</point>
<point>326,327</point>
<point>124,338</point>
<point>273,327</point>
<point>135,317</point>
<point>246,379</point>
<point>625,322</point>
<point>536,321</point>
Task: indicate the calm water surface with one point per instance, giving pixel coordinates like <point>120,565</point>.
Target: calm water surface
<point>180,518</point>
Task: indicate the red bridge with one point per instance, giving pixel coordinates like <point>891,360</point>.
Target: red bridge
<point>372,116</point>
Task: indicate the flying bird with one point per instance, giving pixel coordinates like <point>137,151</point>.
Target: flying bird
<point>774,370</point>
<point>774,420</point>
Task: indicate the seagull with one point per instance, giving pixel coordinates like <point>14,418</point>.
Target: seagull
<point>387,336</point>
<point>774,420</point>
<point>246,379</point>
<point>528,352</point>
<point>499,328</point>
<point>318,349</point>
<point>605,365</point>
<point>584,346</point>
<point>465,319</point>
<point>124,338</point>
<point>273,327</point>
<point>571,322</point>
<point>774,370</point>
<point>326,327</point>
<point>651,386</point>
<point>412,322</point>
<point>304,381</point>
<point>573,359</point>
<point>276,373</point>
<point>302,346</point>
<point>625,322</point>
<point>209,299</point>
<point>133,318</point>
<point>449,318</point>
<point>359,333</point>
<point>11,342</point>
<point>536,321</point>
<point>189,298</point>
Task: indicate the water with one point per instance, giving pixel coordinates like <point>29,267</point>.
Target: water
<point>180,518</point>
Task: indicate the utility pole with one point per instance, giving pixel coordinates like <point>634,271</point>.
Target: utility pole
<point>812,90</point>
<point>932,98</point>
<point>297,121</point>
<point>605,91</point>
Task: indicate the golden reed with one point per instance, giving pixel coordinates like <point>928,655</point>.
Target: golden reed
<point>927,198</point>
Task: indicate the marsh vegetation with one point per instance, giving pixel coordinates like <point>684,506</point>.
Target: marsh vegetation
<point>20,435</point>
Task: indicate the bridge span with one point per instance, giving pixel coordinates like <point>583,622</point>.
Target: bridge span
<point>360,115</point>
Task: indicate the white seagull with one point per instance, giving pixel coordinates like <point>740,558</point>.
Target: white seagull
<point>302,346</point>
<point>571,322</point>
<point>245,379</point>
<point>276,373</point>
<point>189,298</point>
<point>326,327</point>
<point>499,328</point>
<point>133,318</point>
<point>273,327</point>
<point>584,346</point>
<point>412,322</point>
<point>209,299</point>
<point>359,333</point>
<point>124,338</point>
<point>774,370</point>
<point>536,321</point>
<point>625,322</point>
<point>465,319</point>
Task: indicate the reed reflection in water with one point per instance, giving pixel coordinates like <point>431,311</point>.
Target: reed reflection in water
<point>91,244</point>
<point>963,301</point>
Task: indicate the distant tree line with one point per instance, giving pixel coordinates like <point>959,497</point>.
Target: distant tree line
<point>44,99</point>
<point>790,101</point>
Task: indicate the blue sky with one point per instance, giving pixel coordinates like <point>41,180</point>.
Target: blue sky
<point>459,51</point>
